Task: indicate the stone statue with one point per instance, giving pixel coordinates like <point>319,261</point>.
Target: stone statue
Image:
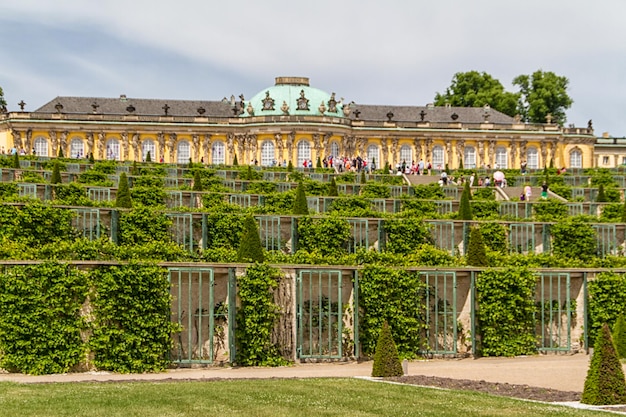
<point>101,139</point>
<point>62,142</point>
<point>124,146</point>
<point>285,108</point>
<point>135,145</point>
<point>54,142</point>
<point>195,140</point>
<point>206,147</point>
<point>170,146</point>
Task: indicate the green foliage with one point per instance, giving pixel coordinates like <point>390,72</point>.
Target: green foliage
<point>386,359</point>
<point>61,152</point>
<point>375,190</point>
<point>476,253</point>
<point>605,384</point>
<point>143,225</point>
<point>601,197</point>
<point>256,317</point>
<point>327,236</point>
<point>475,89</point>
<point>607,298</point>
<point>261,187</point>
<point>197,182</point>
<point>94,178</point>
<point>619,336</point>
<point>148,196</point>
<point>362,179</point>
<point>56,174</point>
<point>412,207</point>
<point>573,238</point>
<point>550,210</point>
<point>148,157</point>
<point>36,224</point>
<point>624,212</point>
<point>16,160</point>
<point>494,236</point>
<point>300,205</point>
<point>506,309</point>
<point>465,210</point>
<point>352,207</point>
<point>332,188</point>
<point>543,93</point>
<point>8,189</point>
<point>405,236</point>
<point>484,209</point>
<point>106,167</point>
<point>92,160</point>
<point>40,320</point>
<point>32,177</point>
<point>224,230</point>
<point>428,192</point>
<point>289,166</point>
<point>72,194</point>
<point>396,296</point>
<point>235,162</point>
<point>250,249</point>
<point>132,328</point>
<point>250,174</point>
<point>483,193</point>
<point>123,198</point>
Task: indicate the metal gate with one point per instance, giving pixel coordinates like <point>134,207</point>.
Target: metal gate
<point>358,234</point>
<point>606,237</point>
<point>87,222</point>
<point>522,238</point>
<point>182,229</point>
<point>554,311</point>
<point>440,335</point>
<point>269,229</point>
<point>442,233</point>
<point>320,314</point>
<point>202,316</point>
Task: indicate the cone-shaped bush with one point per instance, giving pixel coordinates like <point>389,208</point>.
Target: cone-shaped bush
<point>16,161</point>
<point>476,252</point>
<point>461,163</point>
<point>289,167</point>
<point>134,169</point>
<point>250,249</point>
<point>148,157</point>
<point>123,193</point>
<point>235,162</point>
<point>299,204</point>
<point>601,198</point>
<point>605,384</point>
<point>318,163</point>
<point>332,188</point>
<point>465,209</point>
<point>197,181</point>
<point>93,161</point>
<point>619,336</point>
<point>386,359</point>
<point>624,212</point>
<point>373,163</point>
<point>363,180</point>
<point>56,174</point>
<point>61,153</point>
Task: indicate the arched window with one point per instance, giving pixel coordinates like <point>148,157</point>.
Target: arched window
<point>469,157</point>
<point>532,158</point>
<point>182,151</point>
<point>304,152</point>
<point>373,156</point>
<point>41,146</point>
<point>218,156</point>
<point>406,154</point>
<point>267,153</point>
<point>502,157</point>
<point>334,149</point>
<point>148,145</point>
<point>77,148</point>
<point>113,149</point>
<point>576,158</point>
<point>438,161</point>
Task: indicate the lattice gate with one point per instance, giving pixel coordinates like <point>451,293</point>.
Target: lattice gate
<point>555,309</point>
<point>440,335</point>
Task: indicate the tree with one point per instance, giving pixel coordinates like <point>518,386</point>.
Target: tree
<point>16,160</point>
<point>386,359</point>
<point>3,102</point>
<point>250,249</point>
<point>476,253</point>
<point>624,212</point>
<point>619,336</point>
<point>300,205</point>
<point>92,160</point>
<point>56,174</point>
<point>122,199</point>
<point>61,153</point>
<point>289,167</point>
<point>332,188</point>
<point>197,181</point>
<point>148,157</point>
<point>465,209</point>
<point>605,384</point>
<point>543,94</point>
<point>477,89</point>
<point>235,162</point>
<point>363,179</point>
<point>601,198</point>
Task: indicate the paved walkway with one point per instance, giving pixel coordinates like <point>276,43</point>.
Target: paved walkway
<point>562,372</point>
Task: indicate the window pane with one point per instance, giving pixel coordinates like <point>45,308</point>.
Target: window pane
<point>267,153</point>
<point>183,152</point>
<point>217,153</point>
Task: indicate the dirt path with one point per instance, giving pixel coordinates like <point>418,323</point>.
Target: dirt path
<point>562,372</point>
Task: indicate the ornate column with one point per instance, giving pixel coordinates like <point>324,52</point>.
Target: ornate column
<point>553,154</point>
<point>101,143</point>
<point>522,151</point>
<point>360,143</point>
<point>385,152</point>
<point>394,151</point>
<point>326,143</point>
<point>124,141</point>
<point>448,160</point>
<point>492,153</point>
<point>417,149</point>
<point>161,141</point>
<point>428,151</point>
<point>195,140</point>
<point>513,158</point>
<point>317,146</point>
<point>135,144</point>
<point>253,146</point>
<point>460,151</point>
<point>90,143</point>
<point>206,146</point>
<point>241,141</point>
<point>28,142</point>
<point>544,154</point>
<point>170,146</point>
<point>17,139</point>
<point>54,142</point>
<point>291,137</point>
<point>278,138</point>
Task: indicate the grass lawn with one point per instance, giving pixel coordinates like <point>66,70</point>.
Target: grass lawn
<point>269,397</point>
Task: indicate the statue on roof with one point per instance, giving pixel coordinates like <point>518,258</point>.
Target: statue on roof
<point>303,102</point>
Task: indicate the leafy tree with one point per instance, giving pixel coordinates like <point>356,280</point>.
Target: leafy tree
<point>543,94</point>
<point>300,205</point>
<point>465,209</point>
<point>605,384</point>
<point>250,249</point>
<point>122,198</point>
<point>476,253</point>
<point>386,359</point>
<point>318,163</point>
<point>3,102</point>
<point>619,336</point>
<point>477,89</point>
<point>624,212</point>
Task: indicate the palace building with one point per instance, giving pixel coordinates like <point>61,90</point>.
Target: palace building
<point>290,121</point>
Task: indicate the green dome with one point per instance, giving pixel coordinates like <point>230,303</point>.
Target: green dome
<point>293,96</point>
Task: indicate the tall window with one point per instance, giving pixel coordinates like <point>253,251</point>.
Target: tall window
<point>267,153</point>
<point>41,146</point>
<point>334,149</point>
<point>148,145</point>
<point>304,152</point>
<point>502,158</point>
<point>469,157</point>
<point>576,159</point>
<point>438,161</point>
<point>406,154</point>
<point>532,158</point>
<point>183,153</point>
<point>113,149</point>
<point>218,156</point>
<point>77,148</point>
<point>372,156</point>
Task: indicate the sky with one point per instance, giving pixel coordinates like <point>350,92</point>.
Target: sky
<point>395,52</point>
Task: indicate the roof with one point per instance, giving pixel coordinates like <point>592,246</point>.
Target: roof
<point>433,114</point>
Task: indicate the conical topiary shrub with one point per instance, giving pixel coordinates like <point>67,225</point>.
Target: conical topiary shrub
<point>235,162</point>
<point>61,153</point>
<point>16,161</point>
<point>134,169</point>
<point>56,174</point>
<point>619,336</point>
<point>250,249</point>
<point>363,179</point>
<point>148,157</point>
<point>91,159</point>
<point>332,188</point>
<point>605,384</point>
<point>300,205</point>
<point>289,167</point>
<point>601,198</point>
<point>476,252</point>
<point>318,163</point>
<point>122,198</point>
<point>197,181</point>
<point>386,359</point>
<point>465,209</point>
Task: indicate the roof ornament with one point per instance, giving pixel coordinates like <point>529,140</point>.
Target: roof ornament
<point>454,116</point>
<point>250,109</point>
<point>166,109</point>
<point>285,108</point>
<point>332,104</point>
<point>22,103</point>
<point>268,102</point>
<point>422,115</point>
<point>357,112</point>
<point>389,116</point>
<point>303,102</point>
<point>201,110</point>
<point>322,107</point>
<point>487,112</point>
<point>346,109</point>
<point>130,108</point>
<point>95,106</point>
<point>549,118</point>
<point>58,107</point>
